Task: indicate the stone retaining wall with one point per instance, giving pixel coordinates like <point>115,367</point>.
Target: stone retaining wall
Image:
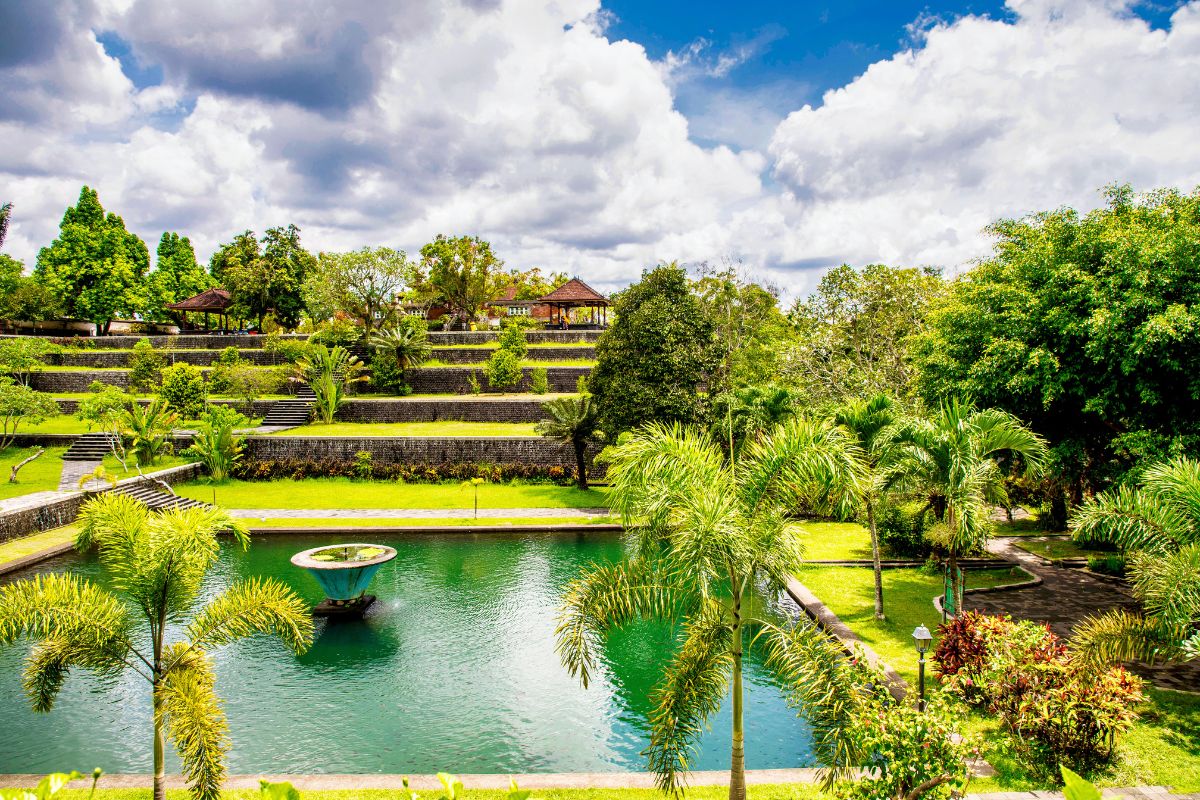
<point>456,380</point>
<point>477,355</point>
<point>443,338</point>
<point>466,409</point>
<point>413,449</point>
<point>70,382</point>
<point>260,407</point>
<point>200,358</point>
<point>48,510</point>
<point>186,341</point>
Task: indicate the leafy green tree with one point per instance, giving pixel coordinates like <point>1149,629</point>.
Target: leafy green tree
<point>1086,326</point>
<point>216,444</point>
<point>851,335</point>
<point>23,356</point>
<point>22,297</point>
<point>531,283</point>
<point>158,563</point>
<point>5,218</point>
<point>102,407</point>
<point>145,366</point>
<point>870,423</point>
<point>465,273</point>
<point>750,333</point>
<point>951,458</point>
<point>362,283</point>
<point>1157,525</point>
<point>147,429</point>
<point>184,389</point>
<point>177,275</point>
<point>704,534</point>
<point>20,404</point>
<point>96,267</point>
<point>266,281</point>
<point>653,361</point>
<point>328,371</point>
<point>503,370</point>
<point>572,421</point>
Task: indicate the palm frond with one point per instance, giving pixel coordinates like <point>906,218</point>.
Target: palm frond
<point>605,598</point>
<point>657,466</point>
<point>693,685</point>
<point>1131,520</point>
<point>1119,635</point>
<point>195,720</point>
<point>803,460</point>
<point>1169,585</point>
<point>251,607</point>
<point>1177,483</point>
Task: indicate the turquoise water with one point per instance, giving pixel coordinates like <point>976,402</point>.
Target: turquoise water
<point>453,669</point>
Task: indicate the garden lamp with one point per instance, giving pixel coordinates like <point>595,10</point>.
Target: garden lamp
<point>922,637</point>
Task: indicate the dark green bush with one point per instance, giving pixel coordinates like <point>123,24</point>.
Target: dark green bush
<point>145,366</point>
<point>902,530</point>
<point>184,390</point>
<point>299,468</point>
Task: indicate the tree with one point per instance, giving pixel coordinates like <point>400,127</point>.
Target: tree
<point>184,389</point>
<point>531,283</point>
<point>870,423</point>
<point>23,356</point>
<point>1157,525</point>
<point>406,344</point>
<point>363,283</point>
<point>22,297</point>
<point>749,331</point>
<point>5,218</point>
<point>177,275</point>
<point>465,273</point>
<point>145,366</point>
<point>147,428</point>
<point>328,371</point>
<point>743,415</point>
<point>216,444</point>
<point>1086,326</point>
<point>951,457</point>
<point>652,362</point>
<point>851,336</point>
<point>18,404</point>
<point>704,534</point>
<point>503,369</point>
<point>266,281</point>
<point>96,267</point>
<point>572,421</point>
<point>158,563</point>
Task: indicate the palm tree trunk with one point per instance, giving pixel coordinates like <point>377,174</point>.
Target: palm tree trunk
<point>581,465</point>
<point>737,766</point>
<point>875,559</point>
<point>160,780</point>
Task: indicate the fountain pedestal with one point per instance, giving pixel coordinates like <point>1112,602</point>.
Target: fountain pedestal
<point>344,572</point>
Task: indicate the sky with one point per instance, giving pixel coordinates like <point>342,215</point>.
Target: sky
<point>596,139</point>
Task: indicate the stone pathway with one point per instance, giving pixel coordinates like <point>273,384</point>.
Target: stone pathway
<point>415,513</point>
<point>1064,599</point>
<point>72,471</point>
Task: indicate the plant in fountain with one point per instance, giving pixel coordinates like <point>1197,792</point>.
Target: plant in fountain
<point>704,533</point>
<point>158,563</point>
<point>329,371</point>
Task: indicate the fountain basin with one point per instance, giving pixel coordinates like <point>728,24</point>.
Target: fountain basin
<point>344,572</point>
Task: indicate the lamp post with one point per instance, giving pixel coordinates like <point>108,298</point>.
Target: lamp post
<point>922,637</point>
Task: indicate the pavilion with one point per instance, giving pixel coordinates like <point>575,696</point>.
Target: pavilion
<point>210,301</point>
<point>575,294</point>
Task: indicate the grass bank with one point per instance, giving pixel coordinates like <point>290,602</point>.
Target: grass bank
<point>418,522</point>
<point>798,791</point>
<point>43,474</point>
<point>451,428</point>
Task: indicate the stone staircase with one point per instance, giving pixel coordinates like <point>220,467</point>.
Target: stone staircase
<point>291,413</point>
<point>155,499</point>
<point>89,447</point>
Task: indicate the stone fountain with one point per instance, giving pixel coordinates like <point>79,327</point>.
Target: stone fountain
<point>344,572</point>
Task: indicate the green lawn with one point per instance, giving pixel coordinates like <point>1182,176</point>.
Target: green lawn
<point>1021,527</point>
<point>798,791</point>
<point>907,602</point>
<point>63,423</point>
<point>43,473</point>
<point>562,362</point>
<point>834,541</point>
<point>443,428</point>
<point>345,493</point>
<point>28,545</point>
<point>1057,548</point>
<point>419,522</point>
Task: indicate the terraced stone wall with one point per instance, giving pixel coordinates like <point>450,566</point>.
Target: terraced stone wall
<point>476,355</point>
<point>443,338</point>
<point>101,359</point>
<point>413,450</point>
<point>467,409</point>
<point>456,380</point>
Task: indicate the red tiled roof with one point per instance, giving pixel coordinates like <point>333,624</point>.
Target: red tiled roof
<point>575,291</point>
<point>215,299</point>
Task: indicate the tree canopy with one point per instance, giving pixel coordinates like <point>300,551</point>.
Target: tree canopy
<point>95,266</point>
<point>267,280</point>
<point>464,271</point>
<point>177,276</point>
<point>363,283</point>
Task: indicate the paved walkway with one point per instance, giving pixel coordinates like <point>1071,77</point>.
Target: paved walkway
<point>72,471</point>
<point>1064,599</point>
<point>415,513</point>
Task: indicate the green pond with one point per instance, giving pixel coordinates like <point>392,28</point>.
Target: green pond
<point>453,669</point>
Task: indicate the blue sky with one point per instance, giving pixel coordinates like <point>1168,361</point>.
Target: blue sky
<point>789,136</point>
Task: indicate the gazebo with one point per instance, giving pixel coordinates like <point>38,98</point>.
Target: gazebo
<point>210,301</point>
<point>576,294</point>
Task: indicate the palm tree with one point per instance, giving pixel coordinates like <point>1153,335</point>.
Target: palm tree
<point>158,563</point>
<point>572,421</point>
<point>216,444</point>
<point>328,371</point>
<point>408,343</point>
<point>951,457</point>
<point>147,429</point>
<point>740,415</point>
<point>870,422</point>
<point>5,216</point>
<point>1158,526</point>
<point>704,533</point>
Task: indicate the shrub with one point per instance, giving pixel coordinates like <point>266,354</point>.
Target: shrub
<point>473,381</point>
<point>902,529</point>
<point>538,382</point>
<point>300,468</point>
<point>215,444</point>
<point>362,466</point>
<point>248,383</point>
<point>103,406</point>
<point>503,370</point>
<point>512,339</point>
<point>581,384</point>
<point>289,351</point>
<point>386,375</point>
<point>338,332</point>
<point>1113,564</point>
<point>184,390</point>
<point>145,366</point>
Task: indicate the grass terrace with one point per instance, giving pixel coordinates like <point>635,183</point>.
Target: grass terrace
<point>43,474</point>
<point>453,428</point>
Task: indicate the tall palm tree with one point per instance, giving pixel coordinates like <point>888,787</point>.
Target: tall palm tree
<point>870,422</point>
<point>5,216</point>
<point>157,563</point>
<point>703,534</point>
<point>328,371</point>
<point>408,343</point>
<point>952,458</point>
<point>1158,526</point>
<point>572,421</point>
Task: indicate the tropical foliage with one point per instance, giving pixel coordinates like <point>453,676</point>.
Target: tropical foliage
<point>1157,525</point>
<point>216,444</point>
<point>362,283</point>
<point>464,273</point>
<point>328,372</point>
<point>572,421</point>
<point>184,389</point>
<point>147,429</point>
<point>158,563</point>
<point>20,404</point>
